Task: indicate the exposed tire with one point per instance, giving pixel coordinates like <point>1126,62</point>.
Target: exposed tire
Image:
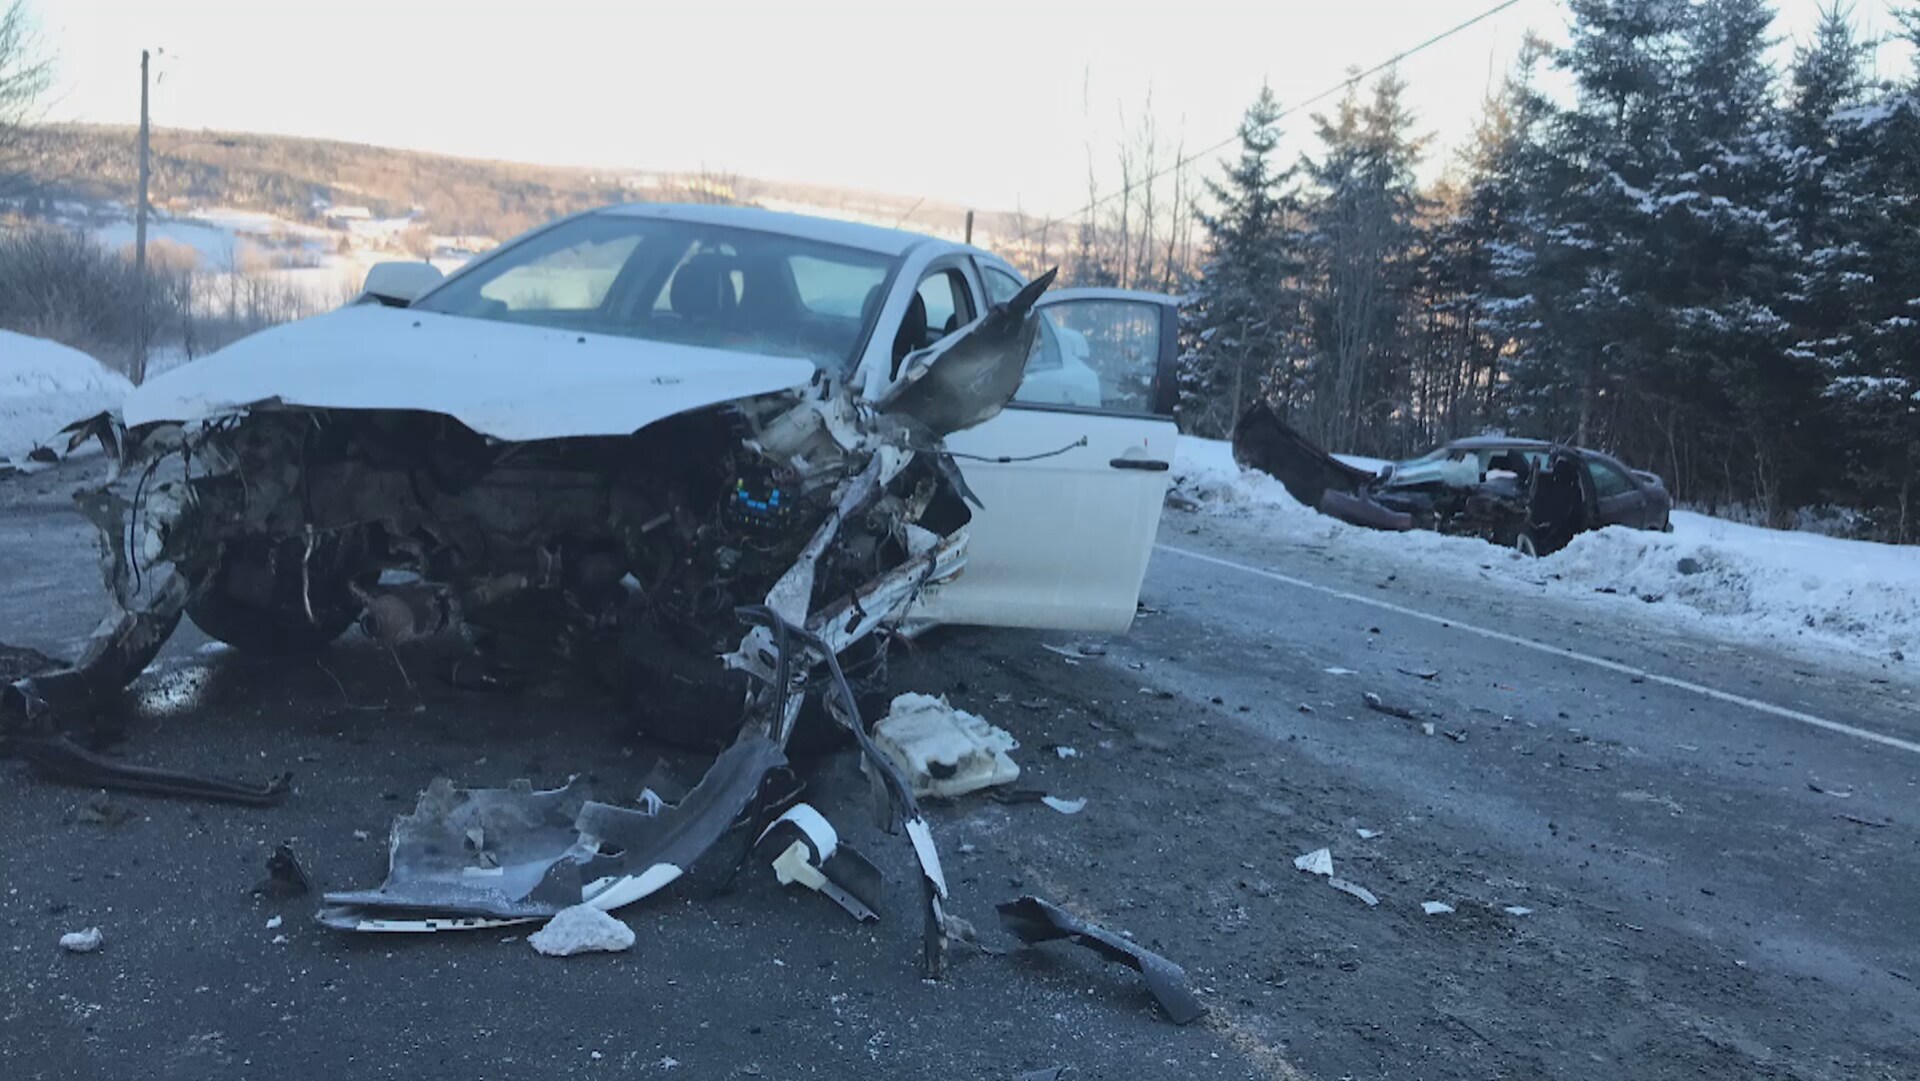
<point>257,601</point>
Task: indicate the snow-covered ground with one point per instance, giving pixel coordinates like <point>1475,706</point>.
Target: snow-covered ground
<point>1734,581</point>
<point>44,386</point>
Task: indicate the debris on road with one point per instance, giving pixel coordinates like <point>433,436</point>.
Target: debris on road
<point>1317,862</point>
<point>1351,889</point>
<point>1065,806</point>
<point>1876,823</point>
<point>1034,921</point>
<point>285,877</point>
<point>807,850</point>
<point>273,923</point>
<point>1065,751</point>
<point>1336,670</point>
<point>1426,728</point>
<point>581,929</point>
<point>944,751</point>
<point>1378,705</point>
<point>1367,834</point>
<point>1517,910</point>
<point>1420,673</point>
<point>57,758</point>
<point>1834,792</point>
<point>469,858</point>
<point>1435,908</point>
<point>85,941</point>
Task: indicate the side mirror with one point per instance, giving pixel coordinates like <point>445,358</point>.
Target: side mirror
<point>398,284</point>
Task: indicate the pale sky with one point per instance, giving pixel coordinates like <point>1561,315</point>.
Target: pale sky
<point>985,103</point>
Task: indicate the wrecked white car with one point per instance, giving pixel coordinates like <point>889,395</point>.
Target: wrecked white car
<point>702,452</point>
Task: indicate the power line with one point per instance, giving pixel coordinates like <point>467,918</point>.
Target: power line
<point>1283,114</point>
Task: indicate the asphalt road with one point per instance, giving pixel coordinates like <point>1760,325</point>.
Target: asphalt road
<point>1717,851</point>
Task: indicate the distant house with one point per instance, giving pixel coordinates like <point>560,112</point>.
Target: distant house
<point>339,216</point>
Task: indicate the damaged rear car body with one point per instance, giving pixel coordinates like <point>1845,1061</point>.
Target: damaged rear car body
<point>1527,494</point>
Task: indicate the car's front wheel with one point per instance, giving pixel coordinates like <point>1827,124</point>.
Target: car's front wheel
<point>275,597</point>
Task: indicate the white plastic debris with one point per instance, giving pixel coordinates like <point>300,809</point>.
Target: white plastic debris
<point>1317,862</point>
<point>581,929</point>
<point>85,941</point>
<point>1517,910</point>
<point>944,751</point>
<point>273,923</point>
<point>1361,892</point>
<point>1435,908</point>
<point>1065,806</point>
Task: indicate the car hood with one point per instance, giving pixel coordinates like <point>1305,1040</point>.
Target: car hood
<point>506,380</point>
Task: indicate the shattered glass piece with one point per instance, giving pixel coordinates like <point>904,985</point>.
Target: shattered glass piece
<point>1033,921</point>
<point>1317,862</point>
<point>581,929</point>
<point>1353,890</point>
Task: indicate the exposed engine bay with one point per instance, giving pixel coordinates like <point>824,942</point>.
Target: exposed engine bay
<point>715,567</point>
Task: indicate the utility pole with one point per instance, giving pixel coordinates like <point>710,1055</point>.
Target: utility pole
<point>140,231</point>
<point>969,226</point>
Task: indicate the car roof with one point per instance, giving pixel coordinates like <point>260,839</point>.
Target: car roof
<point>847,234</point>
<point>1486,442</point>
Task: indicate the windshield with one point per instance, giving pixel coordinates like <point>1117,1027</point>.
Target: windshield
<point>679,281</point>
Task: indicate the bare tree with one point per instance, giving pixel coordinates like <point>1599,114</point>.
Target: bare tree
<point>25,73</point>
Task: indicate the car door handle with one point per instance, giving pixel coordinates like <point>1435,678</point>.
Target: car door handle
<point>1149,465</point>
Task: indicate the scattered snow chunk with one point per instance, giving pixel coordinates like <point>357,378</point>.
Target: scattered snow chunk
<point>1367,834</point>
<point>581,929</point>
<point>85,941</point>
<point>1065,806</point>
<point>1517,910</point>
<point>273,923</point>
<point>1435,908</point>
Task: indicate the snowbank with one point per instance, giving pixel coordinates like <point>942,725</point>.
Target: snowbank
<point>44,386</point>
<point>1736,581</point>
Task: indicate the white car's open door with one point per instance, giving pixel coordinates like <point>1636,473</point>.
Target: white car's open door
<point>1073,473</point>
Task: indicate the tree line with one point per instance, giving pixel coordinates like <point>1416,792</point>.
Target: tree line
<point>1704,264</point>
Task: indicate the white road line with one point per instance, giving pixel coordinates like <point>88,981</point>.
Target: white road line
<point>1559,651</point>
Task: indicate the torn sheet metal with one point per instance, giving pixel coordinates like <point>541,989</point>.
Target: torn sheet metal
<point>970,375</point>
<point>806,849</point>
<point>942,750</point>
<point>473,858</point>
<point>1035,921</point>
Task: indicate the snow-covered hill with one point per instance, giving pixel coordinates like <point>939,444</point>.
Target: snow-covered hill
<point>45,386</point>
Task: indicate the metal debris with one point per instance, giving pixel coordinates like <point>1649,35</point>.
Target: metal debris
<point>285,877</point>
<point>1034,921</point>
<point>1378,705</point>
<point>58,758</point>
